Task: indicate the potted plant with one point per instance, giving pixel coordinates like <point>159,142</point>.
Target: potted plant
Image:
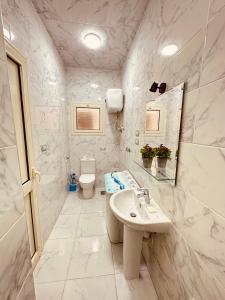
<point>147,153</point>
<point>163,154</point>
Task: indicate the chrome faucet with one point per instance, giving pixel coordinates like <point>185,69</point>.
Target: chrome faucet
<point>144,193</point>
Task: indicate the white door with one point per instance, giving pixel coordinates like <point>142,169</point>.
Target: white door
<point>21,113</point>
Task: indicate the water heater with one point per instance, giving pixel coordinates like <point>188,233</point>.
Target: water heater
<point>114,100</point>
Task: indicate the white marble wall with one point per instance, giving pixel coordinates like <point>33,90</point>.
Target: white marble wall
<point>48,105</point>
<point>189,262</point>
<point>16,278</point>
<point>78,87</point>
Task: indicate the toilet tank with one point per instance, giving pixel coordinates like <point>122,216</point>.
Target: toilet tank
<point>87,165</point>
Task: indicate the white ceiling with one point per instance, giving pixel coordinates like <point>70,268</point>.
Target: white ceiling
<point>117,20</point>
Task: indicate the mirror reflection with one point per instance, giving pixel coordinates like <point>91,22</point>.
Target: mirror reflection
<point>161,130</point>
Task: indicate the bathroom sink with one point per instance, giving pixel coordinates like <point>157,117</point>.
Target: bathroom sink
<point>134,213</point>
<point>130,208</point>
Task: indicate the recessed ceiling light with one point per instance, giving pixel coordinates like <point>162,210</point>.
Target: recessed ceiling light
<point>94,85</point>
<point>92,40</point>
<point>169,50</point>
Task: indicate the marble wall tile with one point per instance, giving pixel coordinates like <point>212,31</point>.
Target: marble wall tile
<point>215,7</point>
<point>201,227</point>
<point>2,46</point>
<point>189,261</point>
<point>203,230</point>
<point>16,265</point>
<point>186,65</point>
<point>51,196</point>
<point>27,292</point>
<point>181,270</point>
<point>210,122</point>
<point>213,59</point>
<point>7,133</point>
<point>175,23</point>
<point>200,172</point>
<point>79,89</point>
<point>11,197</point>
<point>188,116</point>
<point>16,279</point>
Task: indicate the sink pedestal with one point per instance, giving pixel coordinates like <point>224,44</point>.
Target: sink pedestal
<point>114,226</point>
<point>132,245</point>
<point>129,210</point>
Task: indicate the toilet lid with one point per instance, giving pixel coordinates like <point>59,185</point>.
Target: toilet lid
<point>87,178</point>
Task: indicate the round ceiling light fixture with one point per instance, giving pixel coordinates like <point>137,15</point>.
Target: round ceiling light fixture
<point>169,50</point>
<point>92,40</point>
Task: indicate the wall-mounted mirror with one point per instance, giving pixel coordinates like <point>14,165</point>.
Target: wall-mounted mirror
<point>158,155</point>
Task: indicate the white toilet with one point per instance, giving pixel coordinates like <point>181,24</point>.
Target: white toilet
<point>87,177</point>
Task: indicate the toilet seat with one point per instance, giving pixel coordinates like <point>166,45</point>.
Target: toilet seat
<point>87,178</point>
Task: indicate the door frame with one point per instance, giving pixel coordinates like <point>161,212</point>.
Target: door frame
<point>14,54</point>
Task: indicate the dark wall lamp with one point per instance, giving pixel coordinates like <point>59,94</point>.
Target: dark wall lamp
<point>155,86</point>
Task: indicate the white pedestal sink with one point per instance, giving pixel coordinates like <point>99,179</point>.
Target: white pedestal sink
<point>137,218</point>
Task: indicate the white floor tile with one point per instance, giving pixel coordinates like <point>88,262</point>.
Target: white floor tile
<point>54,262</point>
<point>93,206</point>
<point>136,289</point>
<point>117,251</point>
<point>72,205</point>
<point>77,262</point>
<point>49,291</point>
<point>97,194</point>
<point>96,288</point>
<point>91,257</point>
<point>92,225</point>
<point>65,227</point>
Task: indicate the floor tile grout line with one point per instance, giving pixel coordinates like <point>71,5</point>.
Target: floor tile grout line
<point>79,237</point>
<point>71,255</point>
<point>73,239</point>
<point>49,282</point>
<point>113,259</point>
<point>73,235</point>
<point>78,278</point>
<point>117,297</point>
<point>90,277</point>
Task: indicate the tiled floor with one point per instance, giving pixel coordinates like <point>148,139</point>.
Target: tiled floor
<point>79,262</point>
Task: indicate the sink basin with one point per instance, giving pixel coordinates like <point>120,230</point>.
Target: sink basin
<point>133,212</point>
<point>137,218</point>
